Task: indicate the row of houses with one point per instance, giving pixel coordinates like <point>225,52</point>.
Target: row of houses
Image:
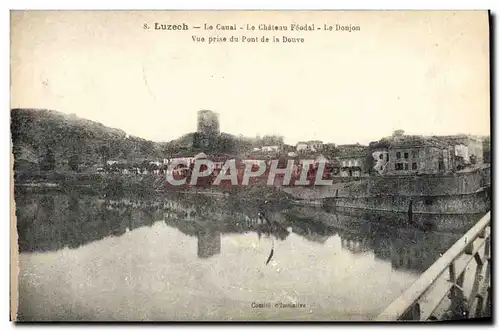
<point>312,146</point>
<point>159,167</point>
<point>406,154</point>
<point>399,154</point>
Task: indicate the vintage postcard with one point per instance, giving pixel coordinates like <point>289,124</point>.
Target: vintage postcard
<point>250,165</point>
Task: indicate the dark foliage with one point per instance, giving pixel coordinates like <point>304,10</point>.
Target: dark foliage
<point>57,141</point>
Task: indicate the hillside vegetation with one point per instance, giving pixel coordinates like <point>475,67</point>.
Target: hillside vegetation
<point>48,140</point>
<point>52,140</point>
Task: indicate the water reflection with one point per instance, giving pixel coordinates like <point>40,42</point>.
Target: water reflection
<point>49,222</point>
<point>208,243</point>
<point>177,248</point>
<point>388,236</point>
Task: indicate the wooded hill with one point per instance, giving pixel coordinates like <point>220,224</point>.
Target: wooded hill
<point>50,140</point>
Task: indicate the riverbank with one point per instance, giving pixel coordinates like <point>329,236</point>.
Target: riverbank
<point>457,193</point>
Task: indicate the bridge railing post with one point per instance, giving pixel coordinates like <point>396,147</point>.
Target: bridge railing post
<point>482,233</point>
<point>413,313</point>
<point>487,248</point>
<point>469,248</point>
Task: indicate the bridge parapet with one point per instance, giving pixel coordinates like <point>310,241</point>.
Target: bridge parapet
<point>456,286</point>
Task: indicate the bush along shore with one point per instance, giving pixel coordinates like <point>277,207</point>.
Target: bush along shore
<point>112,185</point>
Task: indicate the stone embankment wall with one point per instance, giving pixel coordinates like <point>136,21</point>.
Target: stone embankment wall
<point>452,204</point>
<point>457,193</point>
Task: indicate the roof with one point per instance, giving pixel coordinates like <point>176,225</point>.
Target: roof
<point>354,150</point>
<point>459,138</point>
<point>380,144</point>
<point>417,141</point>
<point>335,162</point>
<point>310,154</point>
<point>322,158</point>
<point>207,111</point>
<point>200,156</point>
<point>223,158</point>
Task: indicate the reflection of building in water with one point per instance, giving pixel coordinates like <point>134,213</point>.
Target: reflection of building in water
<point>309,224</point>
<point>317,238</point>
<point>192,212</point>
<point>208,243</point>
<point>356,243</point>
<point>404,247</point>
<point>382,247</point>
<point>402,253</point>
<point>411,249</point>
<point>410,256</point>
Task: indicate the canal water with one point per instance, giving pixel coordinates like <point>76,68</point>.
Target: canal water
<point>186,257</point>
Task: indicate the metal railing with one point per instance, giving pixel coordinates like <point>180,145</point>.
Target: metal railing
<point>456,286</point>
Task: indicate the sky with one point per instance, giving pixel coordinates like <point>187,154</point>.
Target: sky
<point>423,72</point>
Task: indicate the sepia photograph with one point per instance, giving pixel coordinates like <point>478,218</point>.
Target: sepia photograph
<point>216,165</point>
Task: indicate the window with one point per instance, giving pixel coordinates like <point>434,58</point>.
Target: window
<point>441,165</point>
<point>406,155</point>
<point>399,166</point>
<point>398,155</point>
<point>414,166</point>
<point>414,154</point>
<point>428,201</point>
<point>406,166</point>
<point>344,163</point>
<point>356,163</point>
<point>381,156</point>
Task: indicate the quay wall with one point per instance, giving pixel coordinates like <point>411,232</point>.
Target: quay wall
<point>425,185</point>
<point>458,193</point>
<point>451,204</point>
<point>409,186</point>
<point>351,219</point>
<point>486,176</point>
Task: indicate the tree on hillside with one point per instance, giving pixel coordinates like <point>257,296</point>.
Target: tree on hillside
<point>330,150</point>
<point>271,140</point>
<point>114,148</point>
<point>74,160</point>
<point>103,151</point>
<point>223,144</point>
<point>49,160</point>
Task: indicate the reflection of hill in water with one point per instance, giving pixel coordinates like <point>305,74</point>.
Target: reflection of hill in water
<point>52,222</point>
